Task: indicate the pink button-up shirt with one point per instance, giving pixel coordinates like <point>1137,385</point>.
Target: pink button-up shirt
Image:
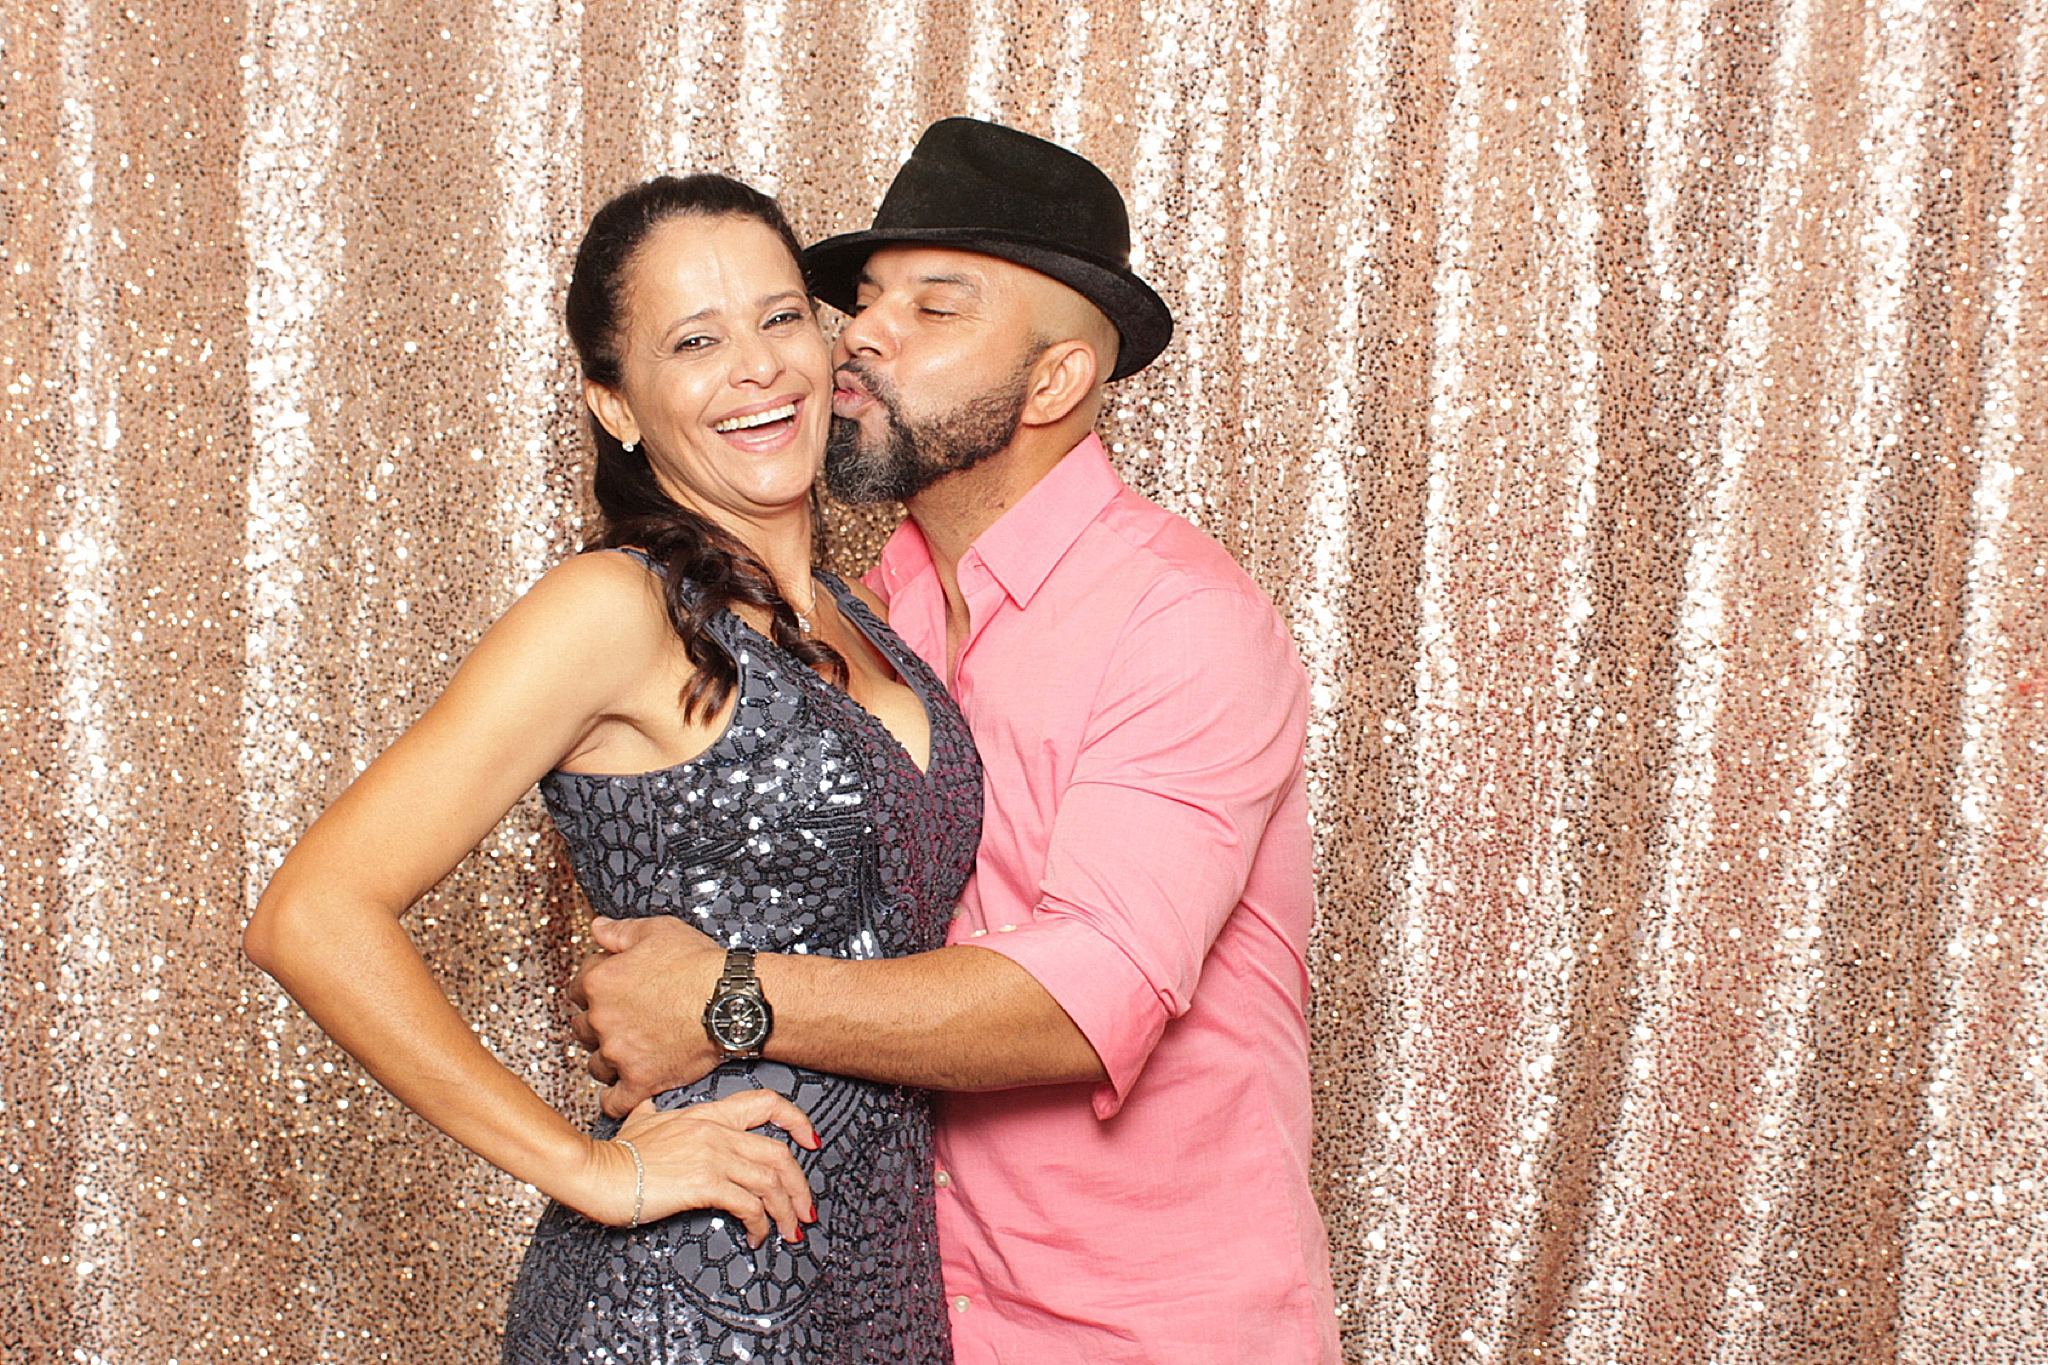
<point>1145,856</point>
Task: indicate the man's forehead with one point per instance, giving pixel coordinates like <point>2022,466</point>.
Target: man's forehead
<point>912,265</point>
<point>1003,284</point>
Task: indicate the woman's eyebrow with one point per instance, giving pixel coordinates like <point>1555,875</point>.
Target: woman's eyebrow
<point>698,316</point>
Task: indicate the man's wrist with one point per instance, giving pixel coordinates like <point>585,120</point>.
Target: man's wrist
<point>738,1019</point>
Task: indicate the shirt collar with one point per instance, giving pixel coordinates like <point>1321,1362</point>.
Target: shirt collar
<point>1025,543</point>
<point>1021,549</point>
<point>904,556</point>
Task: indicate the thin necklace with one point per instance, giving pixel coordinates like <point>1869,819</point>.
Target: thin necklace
<point>803,613</point>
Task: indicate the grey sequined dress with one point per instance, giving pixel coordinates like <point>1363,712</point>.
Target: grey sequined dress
<point>805,829</point>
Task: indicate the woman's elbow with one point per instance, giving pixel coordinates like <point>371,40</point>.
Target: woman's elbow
<point>260,936</point>
<point>275,926</point>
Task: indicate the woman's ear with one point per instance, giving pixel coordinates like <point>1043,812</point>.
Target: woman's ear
<point>611,412</point>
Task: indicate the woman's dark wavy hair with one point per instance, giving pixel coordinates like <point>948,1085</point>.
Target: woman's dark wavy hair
<point>708,570</point>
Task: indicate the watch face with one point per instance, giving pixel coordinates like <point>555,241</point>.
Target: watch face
<point>739,1021</point>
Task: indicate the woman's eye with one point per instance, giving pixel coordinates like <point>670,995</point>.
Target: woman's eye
<point>785,318</point>
<point>935,312</point>
<point>695,343</point>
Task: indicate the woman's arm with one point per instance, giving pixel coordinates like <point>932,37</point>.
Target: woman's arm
<point>565,667</point>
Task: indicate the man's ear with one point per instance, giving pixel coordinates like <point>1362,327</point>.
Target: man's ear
<point>1062,377</point>
<point>611,411</point>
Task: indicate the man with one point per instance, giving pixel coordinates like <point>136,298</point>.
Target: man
<point>1119,1013</point>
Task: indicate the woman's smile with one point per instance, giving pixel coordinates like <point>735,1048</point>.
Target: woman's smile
<point>762,428</point>
<point>726,378</point>
<point>746,421</point>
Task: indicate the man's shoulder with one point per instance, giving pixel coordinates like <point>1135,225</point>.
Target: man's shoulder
<point>1167,553</point>
<point>1152,583</point>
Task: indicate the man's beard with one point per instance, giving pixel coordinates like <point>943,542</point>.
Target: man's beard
<point>909,458</point>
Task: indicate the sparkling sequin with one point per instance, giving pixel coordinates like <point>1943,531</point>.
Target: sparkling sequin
<point>1756,1067</point>
<point>805,828</point>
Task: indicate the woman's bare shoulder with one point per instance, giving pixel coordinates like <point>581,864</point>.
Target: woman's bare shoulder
<point>600,603</point>
<point>604,571</point>
<point>612,581</point>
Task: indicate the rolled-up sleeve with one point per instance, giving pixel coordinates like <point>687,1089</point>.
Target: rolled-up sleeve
<point>1195,733</point>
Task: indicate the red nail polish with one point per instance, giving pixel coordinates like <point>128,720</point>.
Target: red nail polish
<point>799,1235</point>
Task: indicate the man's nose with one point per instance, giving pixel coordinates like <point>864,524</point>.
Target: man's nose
<point>863,335</point>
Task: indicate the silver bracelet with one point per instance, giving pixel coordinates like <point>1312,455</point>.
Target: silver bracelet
<point>639,1180</point>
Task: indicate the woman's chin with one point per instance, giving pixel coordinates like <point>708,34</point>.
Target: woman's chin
<point>738,509</point>
<point>784,494</point>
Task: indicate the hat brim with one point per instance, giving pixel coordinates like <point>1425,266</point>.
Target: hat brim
<point>1143,322</point>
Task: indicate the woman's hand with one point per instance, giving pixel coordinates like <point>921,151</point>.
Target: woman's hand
<point>703,1156</point>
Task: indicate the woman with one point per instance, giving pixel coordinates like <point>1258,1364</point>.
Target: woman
<point>724,733</point>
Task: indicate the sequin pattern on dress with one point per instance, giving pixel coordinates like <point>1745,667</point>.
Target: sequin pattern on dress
<point>805,829</point>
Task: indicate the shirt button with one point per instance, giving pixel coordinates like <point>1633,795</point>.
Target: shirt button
<point>942,1180</point>
<point>1007,928</point>
<point>980,933</point>
<point>960,1304</point>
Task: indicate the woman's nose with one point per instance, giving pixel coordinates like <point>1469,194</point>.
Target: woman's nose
<point>755,360</point>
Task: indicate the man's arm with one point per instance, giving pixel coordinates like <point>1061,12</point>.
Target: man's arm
<point>959,1018</point>
<point>1198,730</point>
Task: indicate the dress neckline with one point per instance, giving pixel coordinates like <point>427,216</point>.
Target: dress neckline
<point>863,619</point>
<point>910,668</point>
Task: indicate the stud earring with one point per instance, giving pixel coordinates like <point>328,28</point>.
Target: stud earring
<point>631,446</point>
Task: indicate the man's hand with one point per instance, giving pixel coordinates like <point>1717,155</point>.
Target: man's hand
<point>639,1007</point>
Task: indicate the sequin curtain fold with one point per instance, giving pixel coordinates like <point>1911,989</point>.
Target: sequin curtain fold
<point>1637,410</point>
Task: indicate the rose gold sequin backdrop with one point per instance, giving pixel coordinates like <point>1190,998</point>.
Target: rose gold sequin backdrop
<point>1637,410</point>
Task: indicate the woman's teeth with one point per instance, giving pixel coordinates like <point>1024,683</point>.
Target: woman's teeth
<point>759,419</point>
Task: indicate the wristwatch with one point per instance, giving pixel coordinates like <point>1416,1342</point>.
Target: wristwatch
<point>737,1019</point>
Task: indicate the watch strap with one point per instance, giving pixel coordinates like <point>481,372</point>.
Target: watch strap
<point>738,973</point>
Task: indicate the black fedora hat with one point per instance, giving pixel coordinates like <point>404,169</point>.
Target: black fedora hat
<point>981,187</point>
